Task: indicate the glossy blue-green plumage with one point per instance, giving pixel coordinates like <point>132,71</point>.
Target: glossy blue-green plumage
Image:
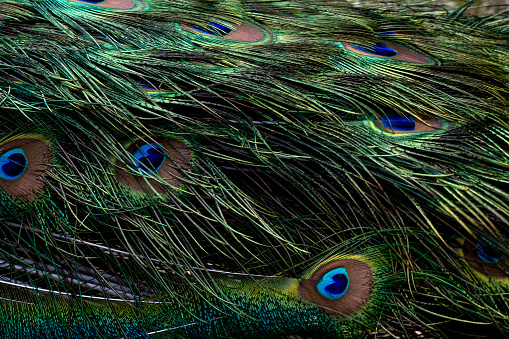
<point>232,169</point>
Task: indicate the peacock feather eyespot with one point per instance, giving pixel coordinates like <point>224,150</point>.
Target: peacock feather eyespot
<point>220,30</point>
<point>486,260</point>
<point>24,160</point>
<point>125,5</point>
<point>339,287</point>
<point>12,164</point>
<point>389,50</point>
<point>396,125</point>
<point>488,254</point>
<point>157,165</point>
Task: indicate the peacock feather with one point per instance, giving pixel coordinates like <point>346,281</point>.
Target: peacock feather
<point>253,169</point>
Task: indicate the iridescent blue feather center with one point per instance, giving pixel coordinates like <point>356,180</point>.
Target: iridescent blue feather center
<point>377,49</point>
<point>12,164</point>
<point>334,284</point>
<point>398,122</point>
<point>149,158</point>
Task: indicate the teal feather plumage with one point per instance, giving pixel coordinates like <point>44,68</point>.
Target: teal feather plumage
<point>232,169</point>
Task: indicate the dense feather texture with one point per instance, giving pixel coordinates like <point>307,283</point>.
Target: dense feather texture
<point>251,169</point>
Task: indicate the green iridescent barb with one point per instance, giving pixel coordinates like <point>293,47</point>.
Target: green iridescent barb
<point>235,169</point>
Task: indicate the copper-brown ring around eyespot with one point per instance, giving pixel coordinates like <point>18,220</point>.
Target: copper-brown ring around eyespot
<point>243,32</point>
<point>495,270</point>
<point>423,125</point>
<point>178,158</point>
<point>116,4</point>
<point>39,159</point>
<point>404,53</point>
<point>360,279</point>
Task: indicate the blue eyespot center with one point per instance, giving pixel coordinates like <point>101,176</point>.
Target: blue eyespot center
<point>398,122</point>
<point>149,158</point>
<point>488,254</point>
<point>214,28</point>
<point>334,284</point>
<point>12,164</point>
<point>377,49</point>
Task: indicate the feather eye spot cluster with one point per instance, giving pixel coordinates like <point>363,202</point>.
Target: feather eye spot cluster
<point>281,140</point>
<point>339,287</point>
